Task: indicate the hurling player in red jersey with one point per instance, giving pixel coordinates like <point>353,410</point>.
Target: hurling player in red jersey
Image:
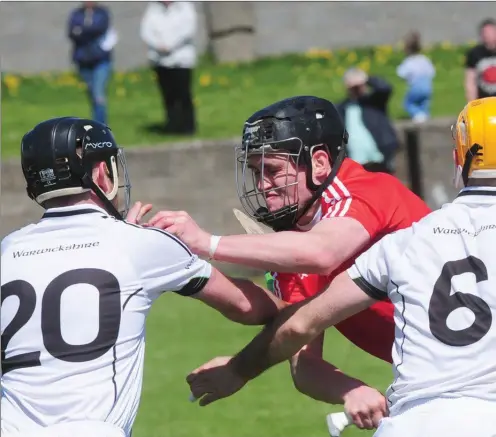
<point>294,176</point>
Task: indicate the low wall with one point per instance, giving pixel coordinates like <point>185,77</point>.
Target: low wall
<point>199,177</point>
<point>33,34</point>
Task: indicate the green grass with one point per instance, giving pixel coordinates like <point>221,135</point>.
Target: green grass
<point>183,334</point>
<point>225,95</point>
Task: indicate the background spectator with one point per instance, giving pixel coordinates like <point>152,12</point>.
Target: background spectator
<point>93,41</point>
<point>168,29</point>
<point>418,71</point>
<point>480,64</point>
<point>373,141</point>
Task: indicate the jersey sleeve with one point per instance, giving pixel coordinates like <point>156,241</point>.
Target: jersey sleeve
<point>167,264</point>
<point>362,210</point>
<point>373,269</point>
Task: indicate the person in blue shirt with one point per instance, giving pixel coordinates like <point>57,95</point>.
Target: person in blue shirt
<point>417,70</point>
<point>91,35</point>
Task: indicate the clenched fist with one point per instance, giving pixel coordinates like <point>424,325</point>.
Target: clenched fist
<point>366,406</point>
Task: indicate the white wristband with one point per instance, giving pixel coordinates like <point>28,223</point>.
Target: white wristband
<point>214,242</point>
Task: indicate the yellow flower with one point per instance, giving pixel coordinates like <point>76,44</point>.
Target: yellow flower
<point>352,57</point>
<point>133,78</point>
<point>312,53</point>
<point>365,65</point>
<point>120,92</point>
<point>316,53</point>
<point>385,48</point>
<point>12,83</point>
<point>205,80</point>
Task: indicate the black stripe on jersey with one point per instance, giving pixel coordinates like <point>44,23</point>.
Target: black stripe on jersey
<point>172,237</point>
<point>114,374</point>
<point>56,214</point>
<point>194,286</point>
<point>370,290</point>
<point>402,340</point>
<point>129,297</point>
<point>477,193</point>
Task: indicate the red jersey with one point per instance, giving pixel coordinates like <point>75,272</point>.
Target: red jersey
<point>382,204</point>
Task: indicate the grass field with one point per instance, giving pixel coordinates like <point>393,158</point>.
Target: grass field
<point>225,95</point>
<point>182,334</point>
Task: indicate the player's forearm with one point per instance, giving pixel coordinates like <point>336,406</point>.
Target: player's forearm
<point>295,252</point>
<point>277,342</point>
<point>320,380</point>
<point>470,91</point>
<point>470,85</point>
<point>261,305</point>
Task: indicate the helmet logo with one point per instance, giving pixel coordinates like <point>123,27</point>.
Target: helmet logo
<point>252,133</point>
<point>99,145</point>
<point>47,176</point>
<point>252,129</point>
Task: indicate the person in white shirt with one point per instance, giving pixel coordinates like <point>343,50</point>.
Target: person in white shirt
<point>77,285</point>
<point>417,70</point>
<point>440,274</point>
<point>168,28</point>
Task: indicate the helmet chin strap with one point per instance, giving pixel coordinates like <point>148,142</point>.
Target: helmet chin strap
<point>322,187</point>
<point>461,173</point>
<point>105,198</point>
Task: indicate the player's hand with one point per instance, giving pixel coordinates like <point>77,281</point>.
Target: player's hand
<point>137,212</point>
<point>185,228</point>
<point>366,406</point>
<point>214,380</point>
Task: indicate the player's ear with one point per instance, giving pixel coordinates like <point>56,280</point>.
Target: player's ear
<point>101,177</point>
<point>320,166</point>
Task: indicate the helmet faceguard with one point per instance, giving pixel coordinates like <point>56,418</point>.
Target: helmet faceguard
<point>58,157</point>
<point>291,129</point>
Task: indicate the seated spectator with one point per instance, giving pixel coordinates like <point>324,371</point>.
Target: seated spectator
<point>418,71</point>
<point>372,138</point>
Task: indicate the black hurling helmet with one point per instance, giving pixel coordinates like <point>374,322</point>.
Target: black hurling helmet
<point>292,127</point>
<point>58,155</point>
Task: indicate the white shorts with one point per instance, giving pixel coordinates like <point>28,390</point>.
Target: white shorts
<point>456,417</point>
<point>85,428</point>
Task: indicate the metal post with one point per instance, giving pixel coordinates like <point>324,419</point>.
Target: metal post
<point>414,163</point>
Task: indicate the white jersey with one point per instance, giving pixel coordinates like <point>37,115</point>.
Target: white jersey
<point>76,289</point>
<point>440,275</point>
